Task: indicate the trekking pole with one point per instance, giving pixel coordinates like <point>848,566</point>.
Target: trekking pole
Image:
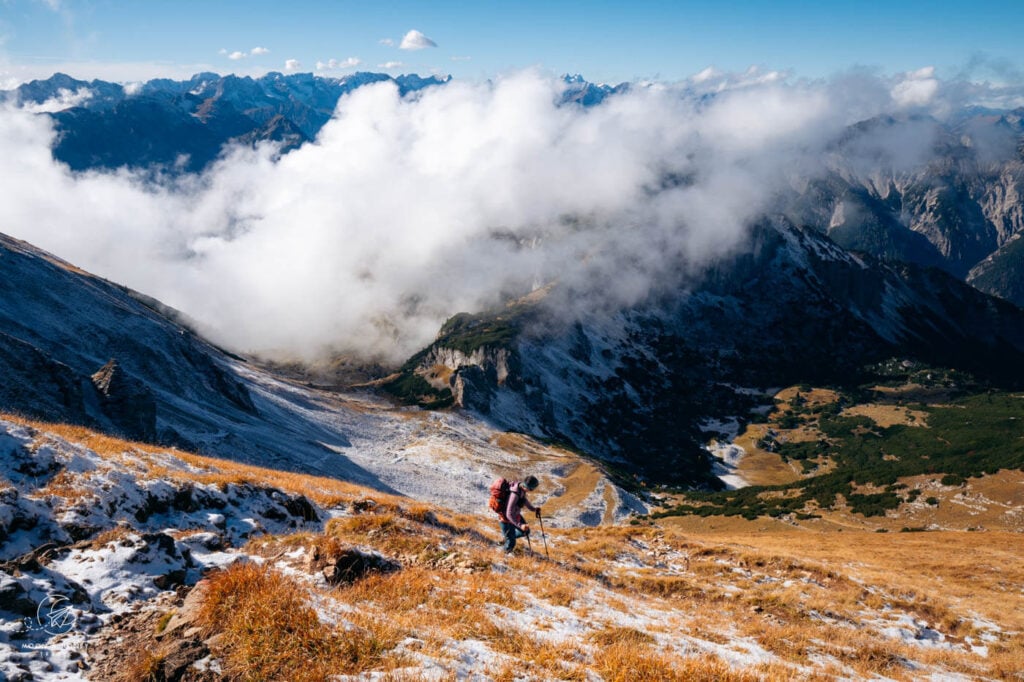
<point>542,536</point>
<point>528,543</point>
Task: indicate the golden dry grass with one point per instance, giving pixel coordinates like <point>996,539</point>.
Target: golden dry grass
<point>813,600</point>
<point>760,467</point>
<point>266,630</point>
<point>145,667</point>
<point>629,662</point>
<point>888,415</point>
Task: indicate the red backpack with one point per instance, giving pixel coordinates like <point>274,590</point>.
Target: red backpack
<point>499,495</point>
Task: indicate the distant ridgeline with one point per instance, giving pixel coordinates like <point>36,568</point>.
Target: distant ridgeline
<point>181,126</point>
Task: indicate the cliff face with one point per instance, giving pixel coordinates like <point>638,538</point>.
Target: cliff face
<point>956,205</point>
<point>470,377</point>
<point>637,387</point>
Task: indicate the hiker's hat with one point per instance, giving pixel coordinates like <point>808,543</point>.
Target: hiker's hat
<point>531,482</point>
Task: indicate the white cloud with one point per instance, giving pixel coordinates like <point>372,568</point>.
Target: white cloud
<point>414,40</point>
<point>917,88</point>
<point>387,42</point>
<point>292,65</point>
<point>922,73</point>
<point>460,58</point>
<point>467,188</point>
<point>236,55</point>
<point>336,65</point>
<point>65,99</point>
<point>391,65</point>
<point>706,75</point>
<point>256,51</point>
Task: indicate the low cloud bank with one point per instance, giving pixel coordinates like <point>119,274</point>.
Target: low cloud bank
<point>406,211</point>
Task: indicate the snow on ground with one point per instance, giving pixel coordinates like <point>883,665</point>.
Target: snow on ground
<point>114,536</point>
<point>727,458</point>
<point>149,535</point>
<point>446,458</point>
<point>119,536</point>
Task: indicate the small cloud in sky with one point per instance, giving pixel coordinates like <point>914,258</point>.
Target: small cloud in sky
<point>414,40</point>
<point>917,88</point>
<point>292,65</point>
<point>236,55</point>
<point>335,64</point>
<point>706,75</point>
<point>390,65</point>
<point>458,58</point>
<point>922,73</point>
<point>52,4</point>
<point>259,50</point>
<point>386,42</point>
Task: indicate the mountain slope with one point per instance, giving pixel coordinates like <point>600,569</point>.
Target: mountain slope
<point>636,388</point>
<point>919,190</point>
<point>81,350</point>
<point>192,568</point>
<point>999,273</point>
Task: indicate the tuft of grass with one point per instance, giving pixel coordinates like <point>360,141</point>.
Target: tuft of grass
<point>267,630</point>
<point>628,662</point>
<point>147,667</point>
<point>161,624</point>
<point>613,635</point>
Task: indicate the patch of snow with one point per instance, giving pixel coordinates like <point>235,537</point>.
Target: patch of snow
<point>728,456</point>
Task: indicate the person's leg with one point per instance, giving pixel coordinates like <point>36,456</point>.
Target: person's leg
<point>509,532</point>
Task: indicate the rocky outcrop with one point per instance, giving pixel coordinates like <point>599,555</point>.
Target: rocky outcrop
<point>344,565</point>
<point>128,404</point>
<point>162,643</point>
<point>473,377</point>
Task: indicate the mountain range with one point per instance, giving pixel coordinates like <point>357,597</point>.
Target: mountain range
<point>182,126</point>
<point>872,257</point>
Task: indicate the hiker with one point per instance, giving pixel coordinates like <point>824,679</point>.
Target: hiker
<point>512,524</point>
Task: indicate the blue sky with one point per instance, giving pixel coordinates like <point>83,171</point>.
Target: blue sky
<point>603,40</point>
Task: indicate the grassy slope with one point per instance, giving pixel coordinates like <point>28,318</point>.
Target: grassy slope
<point>675,599</point>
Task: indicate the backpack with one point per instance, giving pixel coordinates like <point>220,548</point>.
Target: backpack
<point>499,495</point>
